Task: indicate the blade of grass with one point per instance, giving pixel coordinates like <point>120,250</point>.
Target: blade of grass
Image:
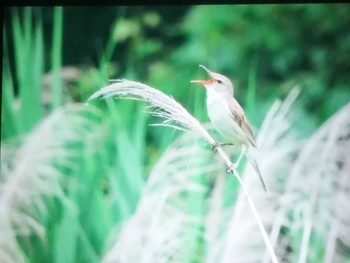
<point>29,64</point>
<point>196,209</point>
<point>56,59</point>
<point>66,241</point>
<point>9,118</point>
<point>9,122</point>
<point>28,93</point>
<point>109,50</point>
<point>34,104</point>
<point>27,25</point>
<point>19,54</point>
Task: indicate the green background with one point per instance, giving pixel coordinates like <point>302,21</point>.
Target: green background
<point>100,162</point>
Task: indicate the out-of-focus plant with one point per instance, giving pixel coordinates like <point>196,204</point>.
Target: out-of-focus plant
<point>57,203</point>
<point>72,177</point>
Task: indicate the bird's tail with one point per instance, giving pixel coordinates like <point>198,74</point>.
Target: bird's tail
<point>251,156</point>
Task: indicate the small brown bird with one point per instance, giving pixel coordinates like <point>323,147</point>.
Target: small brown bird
<point>229,119</point>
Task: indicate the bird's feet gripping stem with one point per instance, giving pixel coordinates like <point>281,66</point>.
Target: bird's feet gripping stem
<point>231,168</point>
<point>219,144</point>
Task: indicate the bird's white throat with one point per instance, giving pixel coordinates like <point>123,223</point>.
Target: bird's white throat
<point>214,96</point>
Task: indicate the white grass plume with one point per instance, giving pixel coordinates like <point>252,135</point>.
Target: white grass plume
<point>317,196</point>
<point>32,176</point>
<point>162,228</point>
<point>309,212</point>
<point>174,113</point>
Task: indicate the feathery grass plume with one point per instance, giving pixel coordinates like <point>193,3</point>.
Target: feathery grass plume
<point>313,220</point>
<point>178,117</point>
<point>33,175</point>
<point>236,239</point>
<point>174,114</point>
<point>169,221</point>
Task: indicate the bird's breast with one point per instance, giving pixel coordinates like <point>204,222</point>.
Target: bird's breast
<point>220,115</point>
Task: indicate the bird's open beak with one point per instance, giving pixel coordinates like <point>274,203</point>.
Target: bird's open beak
<point>204,82</point>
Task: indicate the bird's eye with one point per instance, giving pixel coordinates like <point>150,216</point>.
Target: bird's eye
<point>219,81</point>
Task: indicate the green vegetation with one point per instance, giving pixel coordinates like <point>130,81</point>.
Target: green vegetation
<point>98,183</point>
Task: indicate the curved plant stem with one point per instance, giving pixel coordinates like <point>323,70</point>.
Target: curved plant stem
<point>258,219</point>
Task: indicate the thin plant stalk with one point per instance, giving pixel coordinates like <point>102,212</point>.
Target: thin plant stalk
<point>258,219</point>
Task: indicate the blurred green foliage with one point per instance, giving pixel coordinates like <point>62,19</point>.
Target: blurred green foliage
<point>265,49</point>
<point>282,45</point>
<point>305,45</point>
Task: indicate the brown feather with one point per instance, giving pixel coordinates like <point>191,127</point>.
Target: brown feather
<point>240,118</point>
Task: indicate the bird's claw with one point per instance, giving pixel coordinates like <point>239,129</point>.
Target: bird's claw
<point>231,168</point>
<point>219,144</point>
<point>215,147</point>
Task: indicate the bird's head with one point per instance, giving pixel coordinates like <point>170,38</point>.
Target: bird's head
<point>219,82</point>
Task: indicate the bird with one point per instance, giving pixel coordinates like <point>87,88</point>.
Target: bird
<point>229,119</point>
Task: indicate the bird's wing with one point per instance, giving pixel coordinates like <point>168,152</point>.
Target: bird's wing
<point>239,117</point>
